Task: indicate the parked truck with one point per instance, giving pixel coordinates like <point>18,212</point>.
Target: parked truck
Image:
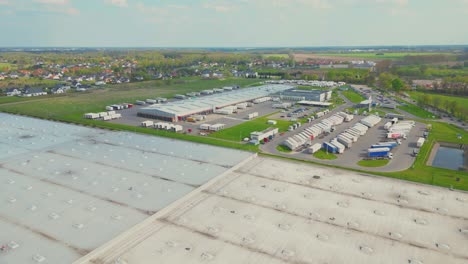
<point>340,147</point>
<point>345,141</point>
<point>396,135</point>
<point>420,142</point>
<point>329,148</point>
<point>389,145</point>
<point>379,153</point>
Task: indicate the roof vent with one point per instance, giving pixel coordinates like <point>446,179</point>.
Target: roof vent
<point>420,221</point>
<point>251,217</point>
<point>395,235</point>
<point>12,200</point>
<point>171,244</point>
<point>314,215</point>
<point>70,201</point>
<point>367,195</point>
<point>288,253</point>
<point>13,245</point>
<point>442,246</point>
<point>464,231</point>
<point>10,181</point>
<point>38,258</point>
<point>78,226</point>
<point>402,201</point>
<point>366,249</point>
<point>461,199</point>
<point>443,210</point>
<point>280,206</point>
<point>379,212</point>
<point>91,208</point>
<point>117,217</point>
<point>322,237</point>
<point>353,224</point>
<point>115,189</point>
<point>343,204</point>
<point>423,192</point>
<point>206,256</point>
<point>415,261</point>
<point>54,216</point>
<point>213,230</point>
<point>33,208</point>
<point>284,226</point>
<point>248,240</point>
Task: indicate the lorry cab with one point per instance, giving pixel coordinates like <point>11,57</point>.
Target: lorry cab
<point>390,155</point>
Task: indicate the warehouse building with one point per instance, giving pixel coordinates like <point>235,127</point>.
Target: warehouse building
<point>180,110</point>
<point>307,95</point>
<point>272,211</point>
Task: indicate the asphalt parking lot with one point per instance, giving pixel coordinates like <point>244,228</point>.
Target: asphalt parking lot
<point>129,117</point>
<point>402,160</point>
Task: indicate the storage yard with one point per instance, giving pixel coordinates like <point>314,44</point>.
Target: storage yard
<point>66,190</point>
<point>274,211</point>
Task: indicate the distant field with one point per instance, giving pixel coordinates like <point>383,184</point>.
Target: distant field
<point>76,104</point>
<point>277,55</point>
<point>4,65</point>
<point>362,55</point>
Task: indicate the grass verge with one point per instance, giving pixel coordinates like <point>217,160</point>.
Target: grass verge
<point>321,154</point>
<point>373,163</point>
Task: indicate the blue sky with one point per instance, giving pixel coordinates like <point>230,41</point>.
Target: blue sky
<point>233,23</point>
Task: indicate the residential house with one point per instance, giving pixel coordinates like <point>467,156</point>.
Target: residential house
<point>29,92</point>
<point>12,92</point>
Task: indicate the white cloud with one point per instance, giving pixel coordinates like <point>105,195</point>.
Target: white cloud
<point>119,3</point>
<point>219,7</point>
<point>52,2</point>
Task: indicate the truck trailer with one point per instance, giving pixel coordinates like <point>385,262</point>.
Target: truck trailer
<point>379,153</point>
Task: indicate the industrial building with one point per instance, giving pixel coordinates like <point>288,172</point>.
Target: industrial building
<point>72,194</point>
<point>180,110</point>
<point>306,95</point>
<point>277,211</point>
<point>65,190</point>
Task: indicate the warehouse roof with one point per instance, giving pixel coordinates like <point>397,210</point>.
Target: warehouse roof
<point>206,103</point>
<point>275,211</point>
<point>66,190</point>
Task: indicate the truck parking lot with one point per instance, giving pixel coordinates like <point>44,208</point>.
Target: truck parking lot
<point>402,155</point>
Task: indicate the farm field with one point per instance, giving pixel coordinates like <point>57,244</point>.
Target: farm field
<point>361,55</point>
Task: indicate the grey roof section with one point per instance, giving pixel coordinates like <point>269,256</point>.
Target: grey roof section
<point>66,190</point>
<point>277,211</point>
<point>206,103</point>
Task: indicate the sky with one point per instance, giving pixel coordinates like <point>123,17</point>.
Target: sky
<point>232,23</point>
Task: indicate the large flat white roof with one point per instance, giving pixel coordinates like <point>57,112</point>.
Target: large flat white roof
<point>276,211</point>
<point>66,190</point>
<point>206,103</point>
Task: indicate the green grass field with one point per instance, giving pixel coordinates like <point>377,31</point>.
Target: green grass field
<point>5,66</point>
<point>353,96</point>
<point>241,131</point>
<point>416,110</point>
<point>461,100</point>
<point>275,55</point>
<point>386,55</point>
<point>373,163</point>
<point>321,154</point>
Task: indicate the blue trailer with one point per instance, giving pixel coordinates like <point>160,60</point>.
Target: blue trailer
<point>379,153</point>
<point>329,148</point>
